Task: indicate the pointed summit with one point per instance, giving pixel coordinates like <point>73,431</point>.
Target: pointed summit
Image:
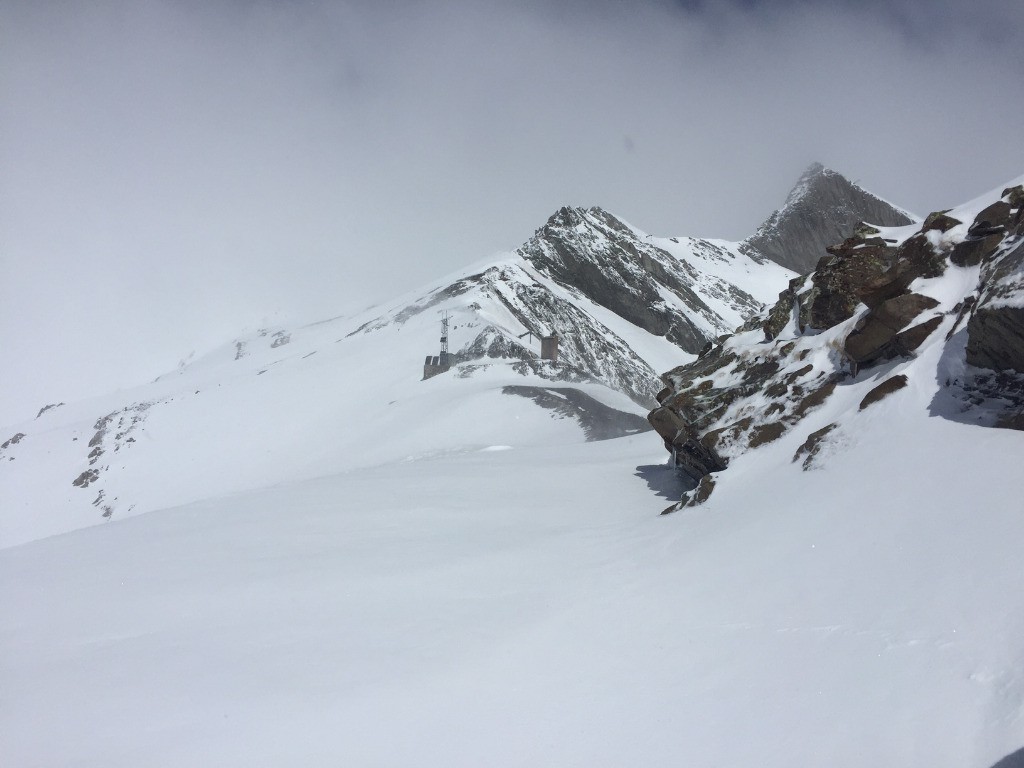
<point>822,209</point>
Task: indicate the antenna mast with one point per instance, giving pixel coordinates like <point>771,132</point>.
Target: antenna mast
<point>444,338</point>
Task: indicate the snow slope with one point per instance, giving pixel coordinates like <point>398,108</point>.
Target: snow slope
<point>321,404</point>
<point>527,607</point>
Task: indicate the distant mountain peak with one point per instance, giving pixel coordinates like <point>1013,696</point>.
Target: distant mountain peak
<point>815,174</point>
<point>822,209</point>
<point>573,216</point>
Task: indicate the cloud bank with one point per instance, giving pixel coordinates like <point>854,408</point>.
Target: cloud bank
<point>175,172</point>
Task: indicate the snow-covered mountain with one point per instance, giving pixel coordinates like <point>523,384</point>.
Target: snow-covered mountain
<point>347,561</point>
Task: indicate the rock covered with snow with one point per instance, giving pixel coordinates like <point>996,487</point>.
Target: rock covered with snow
<point>939,302</point>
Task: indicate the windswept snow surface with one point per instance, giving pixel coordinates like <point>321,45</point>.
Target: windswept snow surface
<point>507,604</point>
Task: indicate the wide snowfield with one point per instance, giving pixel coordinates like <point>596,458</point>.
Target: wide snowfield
<point>527,606</point>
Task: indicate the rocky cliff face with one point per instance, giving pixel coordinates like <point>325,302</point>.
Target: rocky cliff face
<point>822,209</point>
<point>599,256</point>
<point>953,286</point>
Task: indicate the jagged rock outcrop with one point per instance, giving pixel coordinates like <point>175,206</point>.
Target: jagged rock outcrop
<point>822,209</point>
<point>878,296</point>
<point>995,331</point>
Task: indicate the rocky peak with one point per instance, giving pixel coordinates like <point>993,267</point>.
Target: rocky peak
<point>593,253</point>
<point>594,219</point>
<point>822,208</point>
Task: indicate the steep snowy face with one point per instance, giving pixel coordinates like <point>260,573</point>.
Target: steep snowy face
<point>592,253</point>
<point>937,308</point>
<point>822,209</point>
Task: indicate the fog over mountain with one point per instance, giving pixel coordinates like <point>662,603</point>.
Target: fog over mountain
<point>250,162</point>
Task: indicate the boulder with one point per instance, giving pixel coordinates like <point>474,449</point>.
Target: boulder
<point>995,330</point>
<point>973,250</point>
<point>1014,196</point>
<point>939,220</point>
<point>883,390</point>
<point>876,335</point>
<point>694,459</point>
<point>995,338</point>
<point>668,424</point>
<point>994,218</point>
<point>838,282</point>
<point>781,312</point>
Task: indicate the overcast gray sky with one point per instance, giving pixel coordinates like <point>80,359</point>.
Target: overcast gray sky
<point>175,172</point>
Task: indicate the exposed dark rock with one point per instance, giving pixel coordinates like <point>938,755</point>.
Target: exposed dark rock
<point>14,440</point>
<point>970,252</point>
<point>995,218</point>
<point>1002,276</point>
<point>694,459</point>
<point>816,397</point>
<point>995,330</point>
<point>766,433</point>
<point>939,220</point>
<point>692,419</point>
<point>588,350</point>
<point>696,497</point>
<point>1011,420</point>
<point>86,478</point>
<point>909,340</point>
<point>961,310</point>
<point>917,258</point>
<point>1014,196</point>
<point>838,283</point>
<point>875,337</point>
<point>822,209</point>
<point>667,423</point>
<point>49,407</point>
<point>784,310</point>
<point>996,338</point>
<point>812,445</point>
<point>780,314</point>
<point>883,390</point>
